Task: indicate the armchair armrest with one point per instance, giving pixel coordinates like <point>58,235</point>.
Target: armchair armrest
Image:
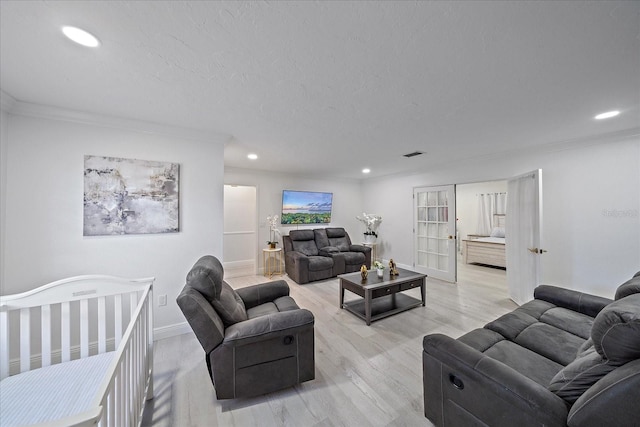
<point>462,383</point>
<point>573,300</point>
<point>264,292</point>
<point>266,327</point>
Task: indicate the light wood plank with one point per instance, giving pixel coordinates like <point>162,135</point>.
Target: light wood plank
<point>365,375</point>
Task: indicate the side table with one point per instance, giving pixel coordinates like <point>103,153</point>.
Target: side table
<point>272,261</point>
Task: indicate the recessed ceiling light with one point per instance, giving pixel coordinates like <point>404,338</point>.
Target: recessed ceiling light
<point>81,36</point>
<point>252,156</point>
<point>366,170</point>
<point>607,115</point>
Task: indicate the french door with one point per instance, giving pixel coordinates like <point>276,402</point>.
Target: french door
<point>523,235</point>
<point>435,231</point>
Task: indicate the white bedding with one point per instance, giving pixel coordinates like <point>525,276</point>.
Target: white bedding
<point>500,240</point>
<point>52,392</point>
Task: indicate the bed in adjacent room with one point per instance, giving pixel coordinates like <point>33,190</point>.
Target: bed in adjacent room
<point>490,250</point>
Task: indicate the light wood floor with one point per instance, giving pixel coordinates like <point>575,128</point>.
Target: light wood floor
<point>365,375</point>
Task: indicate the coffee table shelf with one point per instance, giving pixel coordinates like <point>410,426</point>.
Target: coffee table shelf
<point>381,297</point>
<point>383,306</point>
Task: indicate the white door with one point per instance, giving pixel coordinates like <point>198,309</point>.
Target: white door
<point>523,235</point>
<point>434,231</point>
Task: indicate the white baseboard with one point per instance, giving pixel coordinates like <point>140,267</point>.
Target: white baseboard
<point>239,268</point>
<point>171,331</point>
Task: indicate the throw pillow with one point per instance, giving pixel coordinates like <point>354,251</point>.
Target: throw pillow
<point>229,306</point>
<point>497,232</point>
<point>630,287</point>
<point>616,330</point>
<point>578,376</point>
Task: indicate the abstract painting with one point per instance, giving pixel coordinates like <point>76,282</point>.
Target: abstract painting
<point>126,196</point>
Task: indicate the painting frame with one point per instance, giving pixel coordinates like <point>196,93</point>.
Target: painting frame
<point>130,196</point>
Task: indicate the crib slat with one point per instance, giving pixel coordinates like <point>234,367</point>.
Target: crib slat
<point>25,339</point>
<point>4,344</point>
<point>84,328</point>
<point>102,325</point>
<point>45,323</point>
<point>117,303</point>
<point>65,331</point>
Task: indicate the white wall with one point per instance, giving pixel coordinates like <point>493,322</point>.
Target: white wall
<point>467,211</point>
<point>347,200</point>
<point>44,207</point>
<point>591,205</point>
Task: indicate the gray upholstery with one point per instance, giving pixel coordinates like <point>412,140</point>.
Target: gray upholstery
<point>322,253</point>
<point>565,358</point>
<point>266,346</point>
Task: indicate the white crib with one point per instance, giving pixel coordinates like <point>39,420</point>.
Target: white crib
<point>77,352</point>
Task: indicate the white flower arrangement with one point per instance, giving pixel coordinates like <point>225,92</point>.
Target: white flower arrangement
<point>378,265</point>
<point>370,221</point>
<point>272,220</point>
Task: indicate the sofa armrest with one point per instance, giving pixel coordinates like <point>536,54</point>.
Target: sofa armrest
<point>328,251</point>
<point>264,292</point>
<point>573,300</point>
<point>359,248</point>
<point>613,400</point>
<point>464,385</point>
<point>265,327</point>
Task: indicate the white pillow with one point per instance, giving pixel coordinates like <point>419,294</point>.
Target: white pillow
<point>497,232</point>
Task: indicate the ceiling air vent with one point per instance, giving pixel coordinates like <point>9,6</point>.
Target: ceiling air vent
<point>415,153</point>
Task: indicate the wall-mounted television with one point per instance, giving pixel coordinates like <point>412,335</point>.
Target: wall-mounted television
<point>306,207</point>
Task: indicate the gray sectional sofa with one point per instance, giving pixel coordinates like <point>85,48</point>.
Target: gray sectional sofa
<point>322,253</point>
<point>564,358</point>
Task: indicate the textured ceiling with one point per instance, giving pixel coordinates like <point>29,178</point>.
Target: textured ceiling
<point>332,87</point>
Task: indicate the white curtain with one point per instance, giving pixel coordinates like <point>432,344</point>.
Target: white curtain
<point>522,233</point>
<point>490,204</point>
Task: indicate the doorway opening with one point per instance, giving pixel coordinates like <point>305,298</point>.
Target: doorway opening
<point>240,235</point>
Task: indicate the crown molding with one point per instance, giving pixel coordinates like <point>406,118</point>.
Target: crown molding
<point>62,114</point>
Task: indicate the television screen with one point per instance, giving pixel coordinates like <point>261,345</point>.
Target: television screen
<point>306,207</point>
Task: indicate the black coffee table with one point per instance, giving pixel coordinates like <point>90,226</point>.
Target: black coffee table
<point>382,297</point>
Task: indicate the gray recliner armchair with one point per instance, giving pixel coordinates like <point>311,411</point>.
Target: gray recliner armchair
<point>256,339</point>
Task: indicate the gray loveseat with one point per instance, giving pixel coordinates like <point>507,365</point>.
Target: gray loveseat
<point>565,358</point>
<point>256,339</point>
<point>322,253</point>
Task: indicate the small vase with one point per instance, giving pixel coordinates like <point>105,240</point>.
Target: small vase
<point>272,245</point>
<point>380,272</point>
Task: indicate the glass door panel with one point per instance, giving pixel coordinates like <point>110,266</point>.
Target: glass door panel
<point>434,228</point>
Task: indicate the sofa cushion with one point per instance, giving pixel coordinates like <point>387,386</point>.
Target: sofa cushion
<point>616,330</point>
<point>578,376</point>
<point>229,306</point>
<point>354,258</point>
<point>320,263</point>
<point>336,232</point>
<point>568,320</point>
<point>302,241</point>
<point>630,287</point>
<point>553,343</point>
<point>527,362</point>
